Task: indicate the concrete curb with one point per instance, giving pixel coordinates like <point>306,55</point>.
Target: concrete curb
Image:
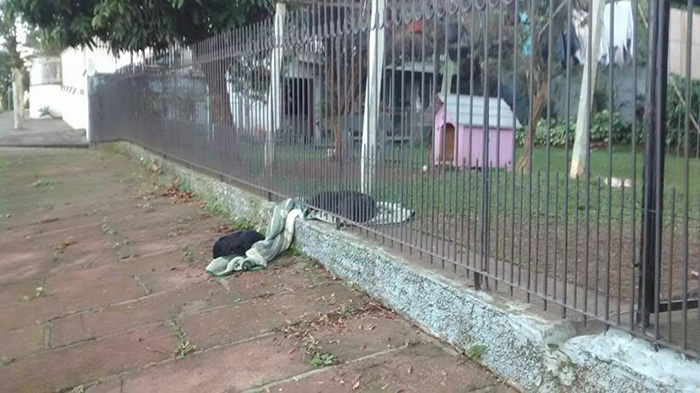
<point>537,354</point>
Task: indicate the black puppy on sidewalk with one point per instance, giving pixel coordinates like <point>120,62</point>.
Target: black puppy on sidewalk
<point>236,243</point>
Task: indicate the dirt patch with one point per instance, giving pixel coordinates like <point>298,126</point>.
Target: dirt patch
<point>586,255</point>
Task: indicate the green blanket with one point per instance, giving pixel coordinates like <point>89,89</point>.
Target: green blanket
<point>278,238</point>
<point>280,234</point>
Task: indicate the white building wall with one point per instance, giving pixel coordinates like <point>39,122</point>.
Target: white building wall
<point>45,86</point>
<point>45,96</point>
<point>74,89</point>
<point>77,66</point>
<point>678,44</point>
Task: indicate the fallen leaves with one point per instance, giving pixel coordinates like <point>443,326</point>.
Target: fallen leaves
<point>154,166</point>
<point>68,242</point>
<point>60,249</point>
<point>224,229</point>
<point>176,195</point>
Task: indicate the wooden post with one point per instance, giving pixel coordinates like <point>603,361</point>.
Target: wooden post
<point>368,165</point>
<point>581,141</point>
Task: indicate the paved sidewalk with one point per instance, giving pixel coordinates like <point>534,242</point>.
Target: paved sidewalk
<point>102,289</point>
<point>40,133</point>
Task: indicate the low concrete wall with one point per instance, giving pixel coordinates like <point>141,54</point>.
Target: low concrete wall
<point>536,354</point>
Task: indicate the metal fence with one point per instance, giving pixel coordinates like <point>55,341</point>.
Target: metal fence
<point>543,146</point>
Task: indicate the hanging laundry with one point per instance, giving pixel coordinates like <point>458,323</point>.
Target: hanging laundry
<point>567,45</point>
<point>527,40</point>
<point>623,33</point>
<point>580,24</point>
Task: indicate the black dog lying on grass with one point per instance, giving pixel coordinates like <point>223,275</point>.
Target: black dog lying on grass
<point>351,205</point>
<point>236,243</point>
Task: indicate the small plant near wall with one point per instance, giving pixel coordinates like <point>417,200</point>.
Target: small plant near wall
<point>46,112</point>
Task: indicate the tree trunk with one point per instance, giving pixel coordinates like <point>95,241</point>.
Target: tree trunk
<point>220,108</point>
<point>17,90</point>
<point>337,145</point>
<point>590,68</point>
<point>524,163</point>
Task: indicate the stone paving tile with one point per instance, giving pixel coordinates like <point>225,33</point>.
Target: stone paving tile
<point>23,265</point>
<point>112,384</point>
<point>12,293</point>
<point>130,315</point>
<point>422,368</point>
<point>102,287</point>
<point>88,361</point>
<point>367,335</point>
<point>21,342</point>
<point>83,296</point>
<point>26,313</point>
<point>233,368</point>
<point>246,319</point>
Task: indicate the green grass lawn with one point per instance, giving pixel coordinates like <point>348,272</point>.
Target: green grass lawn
<point>625,164</point>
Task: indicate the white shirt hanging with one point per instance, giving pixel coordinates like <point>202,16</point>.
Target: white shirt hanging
<point>623,33</point>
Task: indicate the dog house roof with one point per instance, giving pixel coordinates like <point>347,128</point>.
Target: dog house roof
<point>463,105</point>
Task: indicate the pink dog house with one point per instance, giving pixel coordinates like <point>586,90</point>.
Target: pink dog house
<point>460,122</point>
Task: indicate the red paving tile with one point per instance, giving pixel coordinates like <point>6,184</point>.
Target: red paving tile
<point>419,369</point>
<point>246,319</point>
<point>111,384</point>
<point>21,342</point>
<point>88,361</point>
<point>122,295</point>
<point>95,294</point>
<point>23,265</point>
<point>126,316</point>
<point>16,292</point>
<point>25,313</point>
<point>233,368</point>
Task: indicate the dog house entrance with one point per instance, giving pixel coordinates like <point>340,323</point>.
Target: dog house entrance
<point>448,153</point>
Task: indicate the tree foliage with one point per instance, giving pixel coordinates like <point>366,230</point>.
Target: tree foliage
<point>5,75</point>
<point>8,32</point>
<point>134,25</point>
<point>42,44</point>
<point>12,64</point>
